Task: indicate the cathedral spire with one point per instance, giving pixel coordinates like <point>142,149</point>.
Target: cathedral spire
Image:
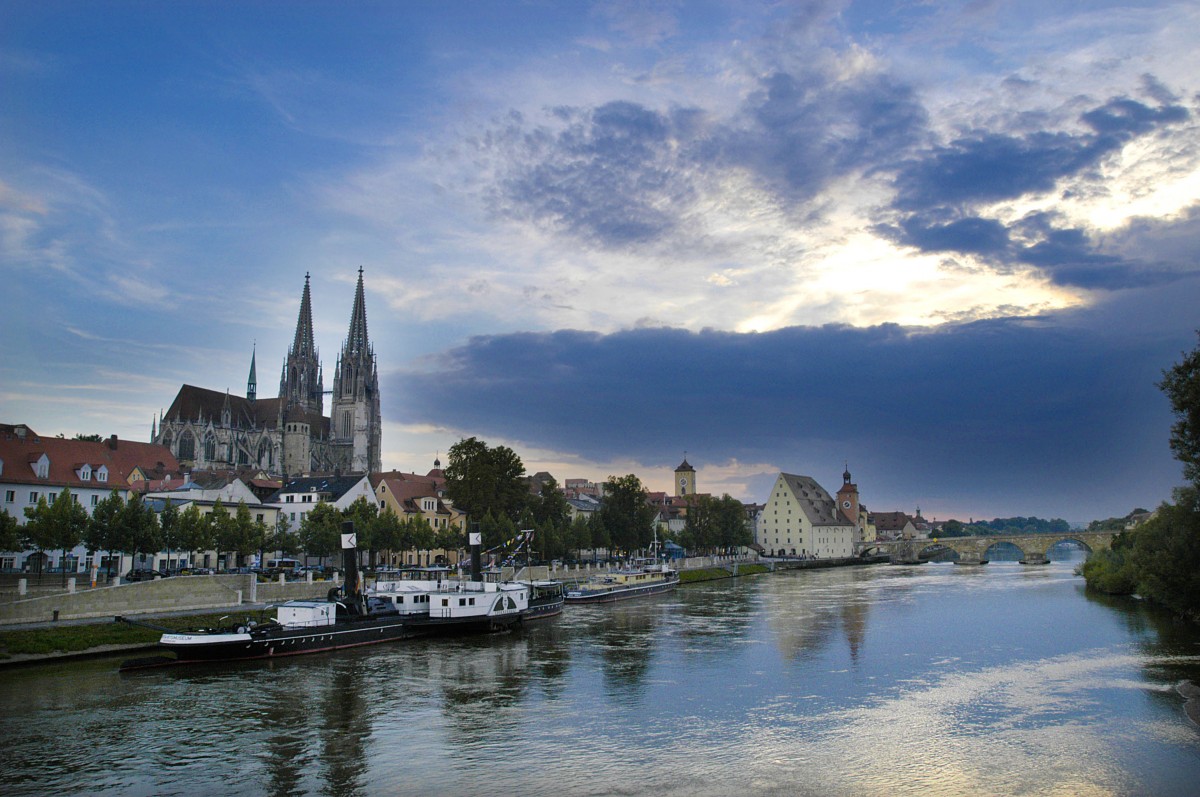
<point>302,344</point>
<point>356,341</point>
<point>252,382</point>
<point>355,418</point>
<point>302,383</point>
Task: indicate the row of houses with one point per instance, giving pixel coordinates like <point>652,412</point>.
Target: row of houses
<point>35,468</point>
<point>799,517</point>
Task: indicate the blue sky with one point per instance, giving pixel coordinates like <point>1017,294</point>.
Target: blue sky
<point>951,244</point>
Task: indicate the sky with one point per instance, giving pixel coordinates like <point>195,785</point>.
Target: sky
<point>950,245</point>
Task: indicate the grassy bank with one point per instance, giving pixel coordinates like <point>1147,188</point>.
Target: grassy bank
<point>79,638</point>
<point>714,573</point>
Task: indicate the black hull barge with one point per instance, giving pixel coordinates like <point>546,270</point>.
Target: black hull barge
<point>347,619</point>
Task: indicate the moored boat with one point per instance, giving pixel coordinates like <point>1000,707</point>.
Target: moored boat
<point>624,584</point>
<point>546,599</point>
<point>347,618</point>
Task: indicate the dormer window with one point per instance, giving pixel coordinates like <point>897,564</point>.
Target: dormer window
<point>102,473</point>
<point>41,467</point>
<point>85,473</point>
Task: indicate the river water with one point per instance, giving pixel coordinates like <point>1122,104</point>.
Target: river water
<point>936,679</point>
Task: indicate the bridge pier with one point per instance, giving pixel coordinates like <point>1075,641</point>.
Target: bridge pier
<point>970,558</point>
<point>1035,559</point>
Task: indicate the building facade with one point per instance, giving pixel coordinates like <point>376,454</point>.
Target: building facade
<point>800,518</point>
<point>289,434</point>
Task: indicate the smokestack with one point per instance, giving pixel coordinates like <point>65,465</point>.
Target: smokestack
<point>112,442</point>
<point>476,540</point>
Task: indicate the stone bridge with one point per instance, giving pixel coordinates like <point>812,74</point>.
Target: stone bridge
<point>974,550</point>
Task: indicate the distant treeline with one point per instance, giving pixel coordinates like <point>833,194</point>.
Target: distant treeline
<point>1004,525</point>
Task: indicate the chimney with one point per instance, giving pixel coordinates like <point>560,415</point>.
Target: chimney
<point>112,442</point>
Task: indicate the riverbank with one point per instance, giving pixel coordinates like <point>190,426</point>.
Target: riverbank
<point>88,638</point>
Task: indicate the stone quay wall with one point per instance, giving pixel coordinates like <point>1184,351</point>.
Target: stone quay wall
<point>175,594</point>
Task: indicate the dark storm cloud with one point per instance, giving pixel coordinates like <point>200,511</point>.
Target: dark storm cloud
<point>976,235</point>
<point>990,166</point>
<point>939,188</point>
<point>1007,400</point>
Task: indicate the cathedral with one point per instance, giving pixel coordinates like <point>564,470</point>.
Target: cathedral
<point>289,435</point>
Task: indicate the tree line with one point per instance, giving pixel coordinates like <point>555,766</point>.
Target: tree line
<point>1160,559</point>
<point>489,484</point>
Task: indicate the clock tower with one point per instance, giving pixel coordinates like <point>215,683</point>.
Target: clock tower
<point>685,479</point>
<point>847,498</point>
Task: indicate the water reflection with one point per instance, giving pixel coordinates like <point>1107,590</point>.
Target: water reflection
<point>937,679</point>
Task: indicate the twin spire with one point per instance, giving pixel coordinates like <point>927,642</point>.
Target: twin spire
<point>302,383</point>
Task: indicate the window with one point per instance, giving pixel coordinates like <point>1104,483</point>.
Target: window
<point>95,500</point>
<point>102,475</point>
<point>10,496</point>
<point>187,445</point>
<point>33,497</point>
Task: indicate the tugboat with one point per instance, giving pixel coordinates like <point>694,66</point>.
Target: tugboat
<point>633,582</point>
<point>347,618</point>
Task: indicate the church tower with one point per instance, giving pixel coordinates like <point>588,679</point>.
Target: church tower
<point>685,479</point>
<point>847,498</point>
<point>252,382</point>
<point>354,418</point>
<point>301,382</point>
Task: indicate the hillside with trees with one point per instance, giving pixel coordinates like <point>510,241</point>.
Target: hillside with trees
<point>1160,559</point>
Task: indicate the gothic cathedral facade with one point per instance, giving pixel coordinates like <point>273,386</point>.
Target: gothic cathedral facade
<point>289,435</point>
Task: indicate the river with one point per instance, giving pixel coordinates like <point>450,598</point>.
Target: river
<point>926,680</point>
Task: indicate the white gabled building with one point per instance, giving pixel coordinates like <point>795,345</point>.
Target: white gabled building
<point>799,518</point>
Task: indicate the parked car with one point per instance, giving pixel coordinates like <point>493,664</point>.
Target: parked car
<point>142,574</point>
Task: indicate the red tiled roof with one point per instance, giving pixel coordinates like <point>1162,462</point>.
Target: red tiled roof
<point>120,457</point>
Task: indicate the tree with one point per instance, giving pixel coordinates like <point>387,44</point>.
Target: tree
<point>1181,384</point>
<point>626,513</point>
<point>480,479</point>
<point>57,525</point>
<point>387,532</point>
<point>219,524</point>
<point>10,536</point>
<point>241,534</point>
<point>282,540</point>
<point>320,531</point>
<point>168,521</point>
<point>363,513</point>
<point>88,438</point>
<point>551,505</point>
<point>195,531</point>
<point>140,532</point>
<point>104,531</point>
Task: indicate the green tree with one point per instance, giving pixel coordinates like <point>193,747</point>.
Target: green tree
<point>1181,384</point>
<point>387,533</point>
<point>195,531</point>
<point>551,505</point>
<point>480,479</point>
<point>57,525</point>
<point>242,536</point>
<point>168,521</point>
<point>1166,555</point>
<point>626,513</point>
<point>141,533</point>
<point>282,540</point>
<point>10,536</point>
<point>363,513</point>
<point>320,531</point>
<point>104,531</point>
<point>448,539</point>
